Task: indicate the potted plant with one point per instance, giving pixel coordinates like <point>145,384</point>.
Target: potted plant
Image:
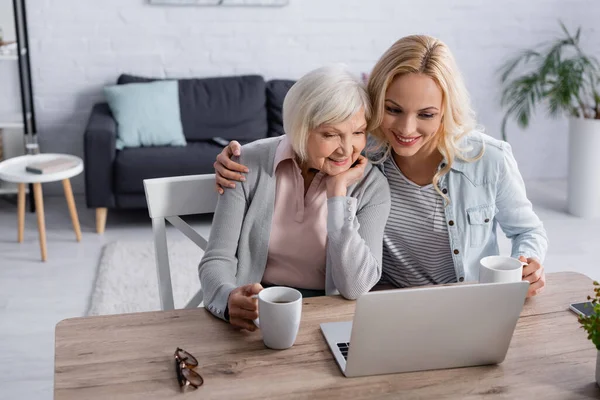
<point>591,324</point>
<point>566,80</point>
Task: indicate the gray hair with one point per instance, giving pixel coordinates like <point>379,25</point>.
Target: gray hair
<point>326,95</point>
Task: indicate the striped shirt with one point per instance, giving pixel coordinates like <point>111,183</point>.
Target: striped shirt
<point>416,247</point>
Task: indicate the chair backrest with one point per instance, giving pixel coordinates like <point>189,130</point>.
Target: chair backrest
<point>168,199</point>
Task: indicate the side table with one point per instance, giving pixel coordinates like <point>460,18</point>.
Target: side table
<point>13,170</point>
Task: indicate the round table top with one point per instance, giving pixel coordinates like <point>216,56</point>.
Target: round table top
<point>13,169</point>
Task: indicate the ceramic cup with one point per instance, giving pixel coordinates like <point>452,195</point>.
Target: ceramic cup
<point>500,269</point>
<point>279,310</point>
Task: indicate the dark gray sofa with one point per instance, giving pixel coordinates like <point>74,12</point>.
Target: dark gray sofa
<point>244,108</point>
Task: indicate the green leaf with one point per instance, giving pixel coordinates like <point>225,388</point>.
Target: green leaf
<point>563,92</point>
<point>523,58</point>
<point>503,128</point>
<point>558,74</point>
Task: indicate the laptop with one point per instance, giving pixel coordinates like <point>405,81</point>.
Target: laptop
<point>432,327</point>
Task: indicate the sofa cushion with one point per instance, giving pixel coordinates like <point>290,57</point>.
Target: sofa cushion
<point>133,165</point>
<point>276,91</point>
<point>147,114</point>
<point>227,107</point>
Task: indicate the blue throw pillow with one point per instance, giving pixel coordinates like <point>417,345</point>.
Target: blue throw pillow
<point>147,114</point>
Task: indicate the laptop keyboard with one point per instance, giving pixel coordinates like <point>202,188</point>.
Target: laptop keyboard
<point>344,349</point>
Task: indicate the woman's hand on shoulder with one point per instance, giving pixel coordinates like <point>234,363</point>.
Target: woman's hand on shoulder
<point>226,170</point>
<point>337,185</point>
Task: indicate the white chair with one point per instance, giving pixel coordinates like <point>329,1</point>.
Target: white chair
<point>168,199</point>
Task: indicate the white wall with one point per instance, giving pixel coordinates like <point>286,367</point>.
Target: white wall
<point>77,47</point>
<point>10,98</point>
<point>7,22</point>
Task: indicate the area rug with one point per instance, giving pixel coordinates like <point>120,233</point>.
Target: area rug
<point>126,281</point>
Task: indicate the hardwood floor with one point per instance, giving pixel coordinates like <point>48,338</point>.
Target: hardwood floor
<point>34,295</point>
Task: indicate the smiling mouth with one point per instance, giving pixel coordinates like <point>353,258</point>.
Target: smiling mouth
<point>339,162</point>
<point>406,140</point>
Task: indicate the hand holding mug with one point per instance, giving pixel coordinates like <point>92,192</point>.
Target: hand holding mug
<point>496,269</point>
<point>533,272</point>
<point>243,306</point>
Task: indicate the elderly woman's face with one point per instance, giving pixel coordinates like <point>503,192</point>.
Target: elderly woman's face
<point>332,149</point>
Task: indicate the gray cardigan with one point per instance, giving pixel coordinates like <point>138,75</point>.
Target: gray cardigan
<point>237,250</point>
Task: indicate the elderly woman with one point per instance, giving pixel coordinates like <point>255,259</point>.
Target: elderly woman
<point>311,211</point>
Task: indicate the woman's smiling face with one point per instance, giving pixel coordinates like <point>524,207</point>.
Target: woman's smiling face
<point>413,114</point>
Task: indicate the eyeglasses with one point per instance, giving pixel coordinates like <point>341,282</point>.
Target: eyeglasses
<point>184,364</point>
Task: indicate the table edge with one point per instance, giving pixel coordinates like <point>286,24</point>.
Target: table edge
<point>70,320</point>
<point>43,178</point>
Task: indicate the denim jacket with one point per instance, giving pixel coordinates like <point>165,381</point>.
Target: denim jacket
<point>484,194</point>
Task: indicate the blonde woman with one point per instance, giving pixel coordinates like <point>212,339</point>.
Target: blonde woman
<point>311,211</point>
<point>451,185</point>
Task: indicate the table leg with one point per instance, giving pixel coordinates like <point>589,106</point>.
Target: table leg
<point>31,199</point>
<point>101,219</point>
<point>39,206</point>
<point>21,211</point>
<point>72,208</point>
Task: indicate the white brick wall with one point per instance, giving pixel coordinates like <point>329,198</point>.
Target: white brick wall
<point>80,46</point>
<point>7,20</point>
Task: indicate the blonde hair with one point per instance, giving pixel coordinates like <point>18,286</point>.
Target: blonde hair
<point>327,95</point>
<point>421,54</point>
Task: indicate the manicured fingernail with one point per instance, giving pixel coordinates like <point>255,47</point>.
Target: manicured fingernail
<point>220,191</point>
<point>232,185</point>
<point>246,170</point>
<point>237,152</point>
<point>243,179</point>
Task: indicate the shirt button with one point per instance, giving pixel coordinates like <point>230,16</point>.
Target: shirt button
<point>348,202</point>
<point>487,220</point>
<point>350,209</point>
<point>349,218</point>
<point>443,165</point>
<point>444,190</point>
<point>451,223</point>
<point>456,251</point>
<point>218,311</point>
<point>461,279</point>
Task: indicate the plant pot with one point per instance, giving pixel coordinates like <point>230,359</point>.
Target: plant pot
<point>598,368</point>
<point>584,168</point>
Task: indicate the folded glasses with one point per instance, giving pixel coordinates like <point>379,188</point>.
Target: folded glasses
<point>184,365</point>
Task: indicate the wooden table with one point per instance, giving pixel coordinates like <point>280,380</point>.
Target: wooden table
<point>131,357</point>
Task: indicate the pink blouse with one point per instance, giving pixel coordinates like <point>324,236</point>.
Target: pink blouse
<point>297,246</point>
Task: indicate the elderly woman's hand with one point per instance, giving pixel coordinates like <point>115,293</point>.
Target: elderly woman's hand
<point>243,307</point>
<point>337,184</point>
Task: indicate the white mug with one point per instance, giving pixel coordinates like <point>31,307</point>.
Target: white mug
<point>500,269</point>
<point>279,310</point>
